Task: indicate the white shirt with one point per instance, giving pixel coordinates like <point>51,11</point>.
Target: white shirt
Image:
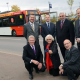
<point>47,23</point>
<point>34,49</point>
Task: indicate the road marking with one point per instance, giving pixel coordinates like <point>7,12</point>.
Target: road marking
<point>10,53</point>
<point>10,39</point>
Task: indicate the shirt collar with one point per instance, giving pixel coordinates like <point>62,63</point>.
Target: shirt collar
<point>63,21</point>
<point>31,23</point>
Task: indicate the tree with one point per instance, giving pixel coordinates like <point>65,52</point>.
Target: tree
<point>15,8</point>
<point>70,3</point>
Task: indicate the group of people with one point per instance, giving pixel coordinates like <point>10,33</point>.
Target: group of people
<point>64,34</point>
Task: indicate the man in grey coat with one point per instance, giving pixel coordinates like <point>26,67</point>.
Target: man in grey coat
<point>71,65</point>
<point>31,28</point>
<point>77,29</point>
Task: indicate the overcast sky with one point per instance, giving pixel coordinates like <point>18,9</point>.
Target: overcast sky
<point>57,5</point>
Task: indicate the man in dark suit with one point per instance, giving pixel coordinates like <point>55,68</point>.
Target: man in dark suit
<point>31,28</point>
<point>64,30</point>
<point>77,29</point>
<point>47,28</point>
<point>71,63</point>
<point>33,57</point>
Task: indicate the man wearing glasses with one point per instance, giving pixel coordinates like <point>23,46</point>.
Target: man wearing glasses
<point>64,30</point>
<point>71,65</point>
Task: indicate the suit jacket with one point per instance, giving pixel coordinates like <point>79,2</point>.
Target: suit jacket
<point>28,30</point>
<point>72,58</point>
<point>77,28</point>
<point>67,32</point>
<point>45,31</point>
<point>54,56</point>
<point>28,53</point>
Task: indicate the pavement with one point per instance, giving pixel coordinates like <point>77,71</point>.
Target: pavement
<point>12,68</point>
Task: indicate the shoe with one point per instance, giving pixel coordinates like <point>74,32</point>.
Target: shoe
<point>76,77</point>
<point>37,71</point>
<point>30,76</point>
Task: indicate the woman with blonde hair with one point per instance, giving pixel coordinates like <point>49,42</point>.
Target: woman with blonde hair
<point>52,57</point>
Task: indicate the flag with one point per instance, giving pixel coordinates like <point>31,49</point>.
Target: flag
<point>50,5</point>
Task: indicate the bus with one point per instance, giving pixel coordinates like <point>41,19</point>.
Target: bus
<point>11,23</point>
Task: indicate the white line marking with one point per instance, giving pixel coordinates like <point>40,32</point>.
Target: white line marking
<point>10,39</point>
<point>10,53</point>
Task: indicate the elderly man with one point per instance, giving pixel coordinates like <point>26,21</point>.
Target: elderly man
<point>71,65</point>
<point>31,28</point>
<point>64,30</point>
<point>33,57</point>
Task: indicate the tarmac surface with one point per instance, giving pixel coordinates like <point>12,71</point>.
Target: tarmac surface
<point>12,68</point>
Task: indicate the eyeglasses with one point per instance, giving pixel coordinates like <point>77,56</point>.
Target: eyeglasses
<point>66,43</point>
<point>49,39</point>
<point>61,16</point>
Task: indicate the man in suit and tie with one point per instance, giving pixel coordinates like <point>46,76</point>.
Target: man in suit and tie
<point>77,28</point>
<point>47,28</point>
<point>71,65</point>
<point>64,30</point>
<point>33,57</point>
<point>31,28</point>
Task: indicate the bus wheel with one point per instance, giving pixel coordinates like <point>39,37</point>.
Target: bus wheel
<point>13,33</point>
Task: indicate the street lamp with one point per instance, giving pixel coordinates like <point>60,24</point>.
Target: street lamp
<point>7,5</point>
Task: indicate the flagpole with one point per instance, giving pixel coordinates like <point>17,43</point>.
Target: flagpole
<point>49,8</point>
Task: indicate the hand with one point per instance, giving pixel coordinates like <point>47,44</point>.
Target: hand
<point>77,39</point>
<point>35,62</point>
<point>39,66</point>
<point>60,67</point>
<point>50,51</point>
<point>61,71</point>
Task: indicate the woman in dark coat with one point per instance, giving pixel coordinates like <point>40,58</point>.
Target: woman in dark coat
<point>52,56</point>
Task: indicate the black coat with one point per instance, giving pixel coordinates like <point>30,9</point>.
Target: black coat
<point>54,56</point>
<point>45,31</point>
<point>28,53</point>
<point>67,32</point>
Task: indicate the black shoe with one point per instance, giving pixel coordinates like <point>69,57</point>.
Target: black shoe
<point>77,75</point>
<point>30,76</point>
<point>37,71</point>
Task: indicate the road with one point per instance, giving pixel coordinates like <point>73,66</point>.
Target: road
<point>11,63</point>
<point>14,45</point>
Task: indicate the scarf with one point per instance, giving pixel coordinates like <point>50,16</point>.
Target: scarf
<point>48,60</point>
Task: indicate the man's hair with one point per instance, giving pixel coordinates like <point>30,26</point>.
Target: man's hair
<point>77,9</point>
<point>47,14</point>
<point>31,36</point>
<point>31,14</point>
<point>61,13</point>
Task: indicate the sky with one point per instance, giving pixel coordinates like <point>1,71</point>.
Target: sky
<point>42,5</point>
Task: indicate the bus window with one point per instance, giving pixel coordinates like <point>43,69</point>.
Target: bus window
<point>6,21</point>
<point>12,21</point>
<point>20,19</point>
<point>0,22</point>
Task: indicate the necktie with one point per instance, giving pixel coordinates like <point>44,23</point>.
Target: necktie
<point>48,26</point>
<point>32,27</point>
<point>34,50</point>
<point>61,24</point>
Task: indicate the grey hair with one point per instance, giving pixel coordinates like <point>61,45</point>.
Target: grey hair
<point>31,36</point>
<point>48,36</point>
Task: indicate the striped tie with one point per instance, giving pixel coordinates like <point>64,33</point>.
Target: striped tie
<point>34,50</point>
